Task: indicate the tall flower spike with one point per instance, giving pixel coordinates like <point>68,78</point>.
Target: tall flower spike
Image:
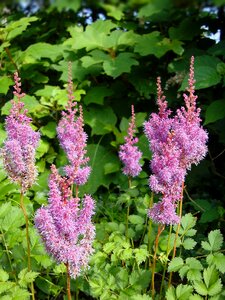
<point>19,148</point>
<point>65,224</point>
<point>176,143</point>
<point>73,139</point>
<point>128,153</point>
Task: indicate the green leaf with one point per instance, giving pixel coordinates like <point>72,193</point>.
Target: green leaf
<point>140,255</point>
<point>5,83</point>
<point>153,43</point>
<point>111,167</point>
<point>215,241</point>
<point>206,74</point>
<point>175,264</point>
<point>99,157</point>
<point>189,244</point>
<point>97,95</point>
<point>4,209</point>
<point>94,36</point>
<point>183,292</point>
<point>66,4</point>
<point>101,119</point>
<point>170,293</point>
<point>4,276</point>
<point>26,277</point>
<point>122,278</point>
<point>122,63</point>
<point>6,286</point>
<point>30,103</point>
<point>109,247</point>
<point>15,28</point>
<point>215,111</point>
<point>49,130</point>
<point>187,224</point>
<point>114,11</point>
<point>218,259</point>
<point>135,219</point>
<point>43,50</point>
<point>200,288</point>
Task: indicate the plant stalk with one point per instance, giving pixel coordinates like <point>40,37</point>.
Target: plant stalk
<point>177,232</point>
<point>28,240</point>
<point>160,230</point>
<point>128,211</point>
<point>68,282</point>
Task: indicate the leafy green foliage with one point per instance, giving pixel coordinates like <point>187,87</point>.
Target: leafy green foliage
<point>117,51</point>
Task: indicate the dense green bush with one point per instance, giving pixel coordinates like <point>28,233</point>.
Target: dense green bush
<point>117,50</point>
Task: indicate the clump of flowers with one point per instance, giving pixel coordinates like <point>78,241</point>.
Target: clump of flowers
<point>176,143</point>
<point>19,148</point>
<point>129,153</point>
<point>65,224</point>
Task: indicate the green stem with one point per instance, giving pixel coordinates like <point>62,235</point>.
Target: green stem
<point>28,240</point>
<point>8,256</point>
<point>150,230</point>
<point>68,282</point>
<point>165,266</point>
<point>128,211</point>
<point>177,232</point>
<point>160,230</point>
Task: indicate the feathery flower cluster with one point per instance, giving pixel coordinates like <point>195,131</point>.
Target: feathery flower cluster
<point>73,139</point>
<point>65,224</point>
<point>176,143</point>
<point>129,154</point>
<point>19,148</point>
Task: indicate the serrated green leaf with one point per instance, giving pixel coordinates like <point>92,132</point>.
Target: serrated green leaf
<point>218,259</point>
<point>109,247</point>
<point>6,286</point>
<point>94,35</point>
<point>4,276</point>
<point>175,264</point>
<point>26,277</point>
<point>183,292</point>
<point>200,288</point>
<point>215,239</point>
<point>114,11</point>
<point>189,244</point>
<point>122,278</point>
<point>210,276</point>
<point>215,111</point>
<point>195,297</point>
<point>15,28</point>
<point>215,288</point>
<point>140,255</point>
<point>188,221</point>
<point>170,293</point>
